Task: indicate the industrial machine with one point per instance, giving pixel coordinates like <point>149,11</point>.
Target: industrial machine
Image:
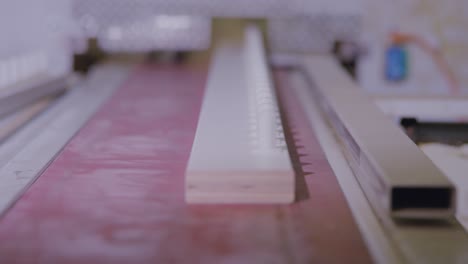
<point>201,131</point>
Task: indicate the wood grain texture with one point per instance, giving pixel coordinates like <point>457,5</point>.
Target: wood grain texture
<point>115,194</point>
<point>239,153</point>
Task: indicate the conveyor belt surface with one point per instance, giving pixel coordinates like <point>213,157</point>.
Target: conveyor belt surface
<point>115,192</point>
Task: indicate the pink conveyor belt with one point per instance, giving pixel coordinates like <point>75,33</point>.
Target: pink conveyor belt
<point>115,193</point>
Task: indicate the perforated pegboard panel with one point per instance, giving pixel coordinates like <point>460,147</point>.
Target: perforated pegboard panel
<point>111,12</point>
<point>296,25</point>
<point>160,32</point>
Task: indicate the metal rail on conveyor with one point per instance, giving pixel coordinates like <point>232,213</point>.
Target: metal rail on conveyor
<point>398,179</point>
<point>115,192</point>
<point>415,240</point>
<point>28,91</point>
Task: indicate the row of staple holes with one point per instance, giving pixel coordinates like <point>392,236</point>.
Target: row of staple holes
<point>22,67</point>
<point>261,96</point>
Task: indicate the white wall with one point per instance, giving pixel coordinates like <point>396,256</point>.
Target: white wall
<point>35,37</point>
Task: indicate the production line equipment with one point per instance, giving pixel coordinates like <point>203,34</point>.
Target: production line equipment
<point>253,146</point>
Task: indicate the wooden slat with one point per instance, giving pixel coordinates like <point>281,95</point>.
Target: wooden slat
<point>239,153</point>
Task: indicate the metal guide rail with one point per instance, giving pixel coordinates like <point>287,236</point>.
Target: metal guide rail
<point>23,93</point>
<point>397,178</point>
<point>27,153</point>
<point>390,239</point>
